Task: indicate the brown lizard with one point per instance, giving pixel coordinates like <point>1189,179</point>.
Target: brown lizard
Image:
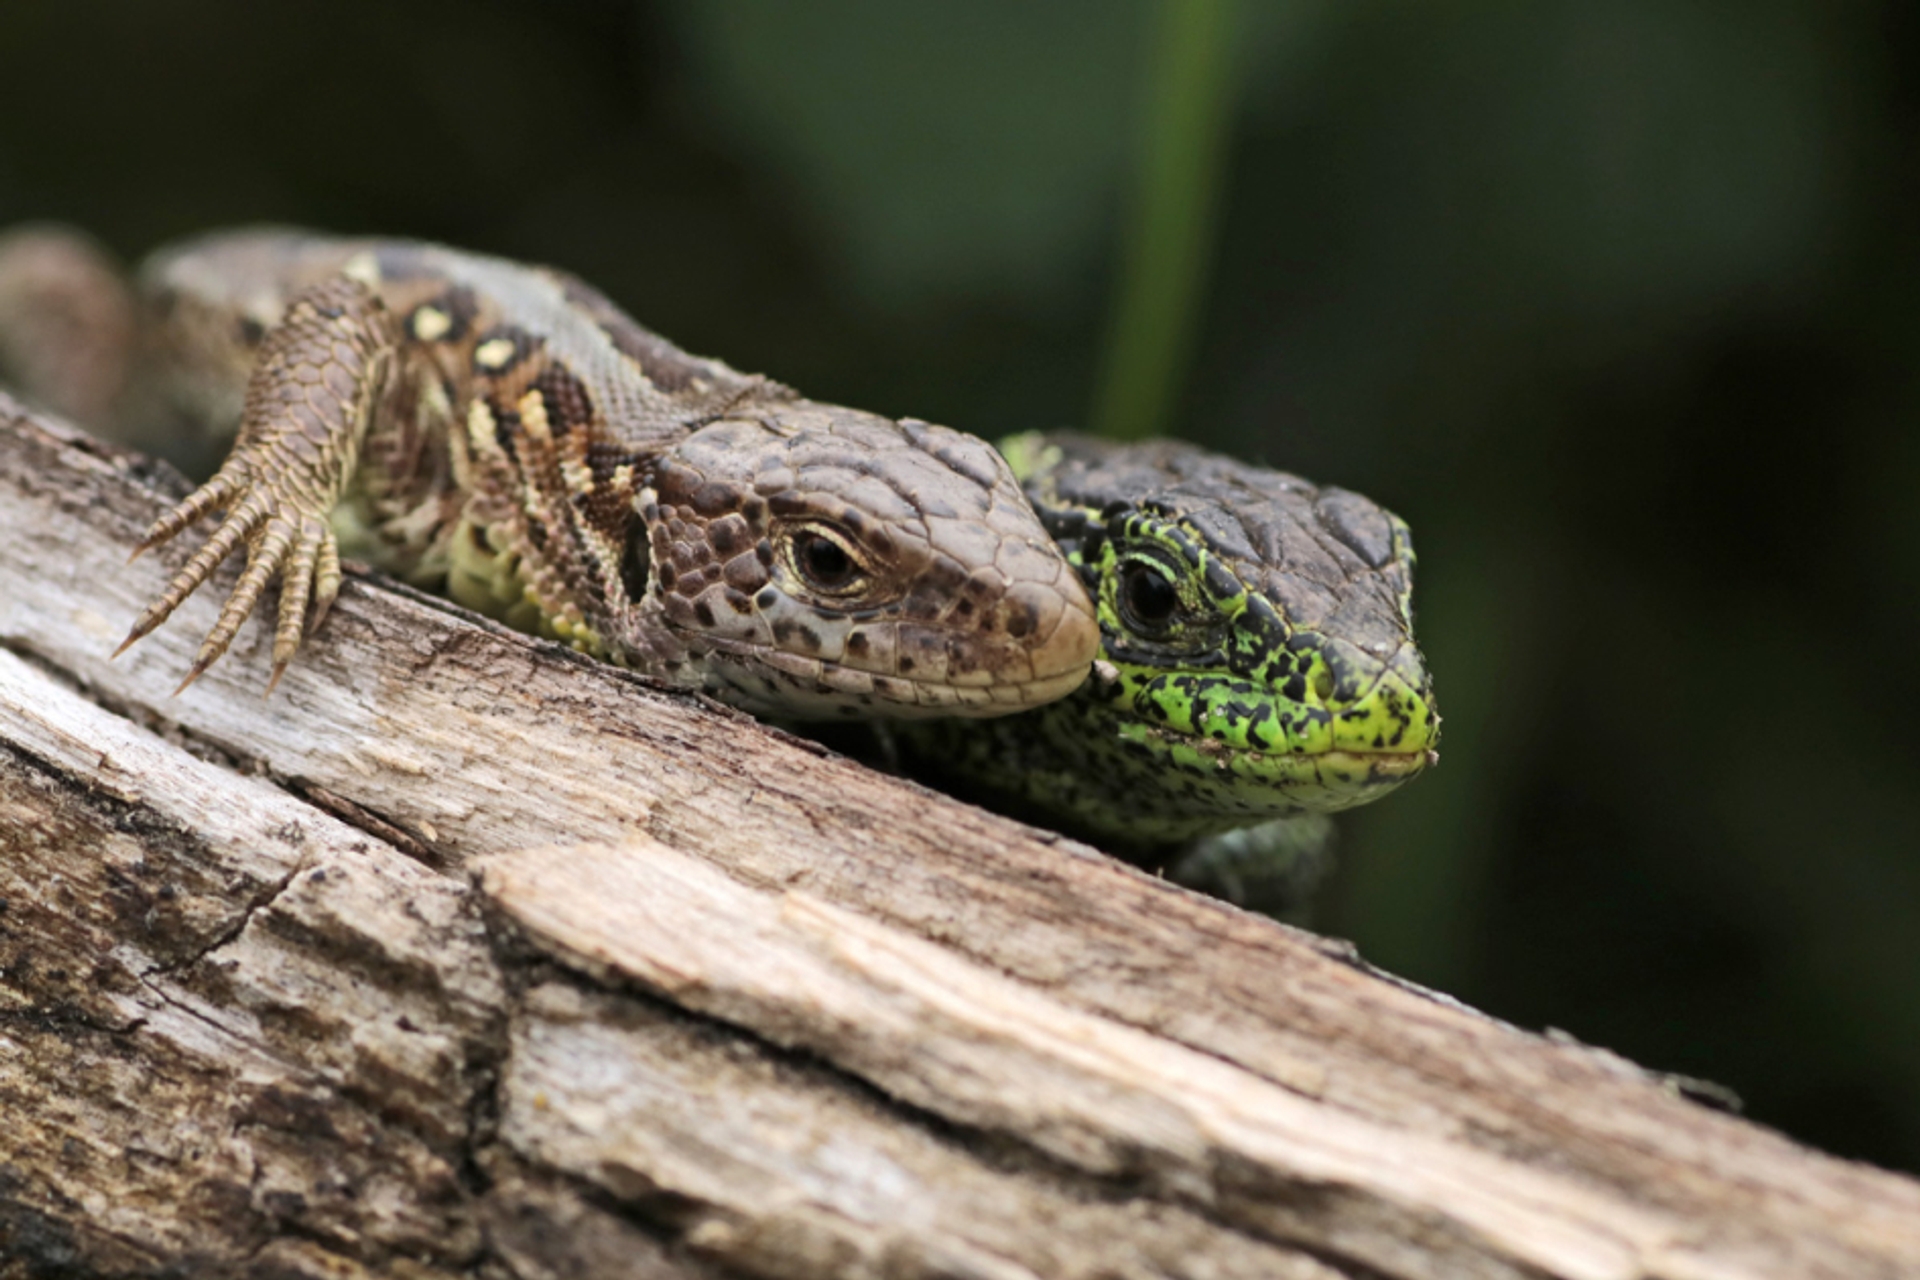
<point>507,433</point>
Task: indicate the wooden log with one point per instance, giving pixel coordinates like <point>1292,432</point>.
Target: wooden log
<point>461,955</point>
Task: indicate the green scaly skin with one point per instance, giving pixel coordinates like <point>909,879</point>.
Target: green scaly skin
<point>1257,663</point>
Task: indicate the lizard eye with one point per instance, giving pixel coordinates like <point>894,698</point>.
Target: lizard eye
<point>1147,598</point>
<point>823,561</point>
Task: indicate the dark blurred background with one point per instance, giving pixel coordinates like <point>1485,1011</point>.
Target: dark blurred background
<point>1614,301</point>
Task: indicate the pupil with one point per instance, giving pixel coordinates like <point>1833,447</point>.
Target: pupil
<point>1151,599</point>
<point>826,561</point>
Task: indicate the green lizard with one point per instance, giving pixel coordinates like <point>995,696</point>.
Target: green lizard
<point>1258,664</point>
<point>506,433</point>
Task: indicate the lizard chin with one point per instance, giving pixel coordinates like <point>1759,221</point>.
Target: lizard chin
<point>796,686</point>
<point>1277,783</point>
<point>1245,751</point>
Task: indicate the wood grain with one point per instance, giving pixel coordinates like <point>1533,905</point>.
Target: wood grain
<point>460,955</point>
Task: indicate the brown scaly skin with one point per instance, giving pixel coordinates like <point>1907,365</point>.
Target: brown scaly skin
<point>507,433</point>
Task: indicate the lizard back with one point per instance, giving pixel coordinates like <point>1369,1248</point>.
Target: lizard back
<point>507,432</point>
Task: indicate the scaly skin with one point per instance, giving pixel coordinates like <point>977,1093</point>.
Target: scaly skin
<point>1258,659</point>
<point>508,434</point>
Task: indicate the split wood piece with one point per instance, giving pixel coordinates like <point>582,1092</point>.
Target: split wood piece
<point>234,1024</point>
<point>1197,1061</point>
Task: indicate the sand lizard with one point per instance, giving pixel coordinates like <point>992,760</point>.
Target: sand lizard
<point>507,433</point>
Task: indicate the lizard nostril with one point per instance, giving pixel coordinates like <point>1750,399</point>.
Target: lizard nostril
<point>1323,685</point>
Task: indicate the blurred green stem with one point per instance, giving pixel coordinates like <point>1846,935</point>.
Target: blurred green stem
<point>1168,238</point>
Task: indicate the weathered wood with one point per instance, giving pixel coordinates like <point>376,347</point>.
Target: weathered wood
<point>586,978</point>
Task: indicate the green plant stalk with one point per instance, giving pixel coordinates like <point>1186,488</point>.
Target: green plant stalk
<point>1167,243</point>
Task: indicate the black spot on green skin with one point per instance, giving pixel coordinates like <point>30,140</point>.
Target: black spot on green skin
<point>1242,668</point>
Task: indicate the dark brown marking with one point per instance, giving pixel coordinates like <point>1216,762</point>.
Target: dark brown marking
<point>795,634</point>
<point>569,403</point>
<point>457,305</point>
<point>713,498</point>
<point>523,345</point>
<point>604,459</point>
<point>744,573</point>
<point>636,563</point>
<point>462,308</point>
<point>506,427</point>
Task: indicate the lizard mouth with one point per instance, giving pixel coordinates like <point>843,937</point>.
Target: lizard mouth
<point>779,682</point>
<point>817,666</point>
<point>1251,779</point>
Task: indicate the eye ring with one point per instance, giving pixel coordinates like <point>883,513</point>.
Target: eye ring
<point>824,560</point>
<point>1149,602</point>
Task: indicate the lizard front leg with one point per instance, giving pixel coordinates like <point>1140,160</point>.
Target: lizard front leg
<point>321,371</point>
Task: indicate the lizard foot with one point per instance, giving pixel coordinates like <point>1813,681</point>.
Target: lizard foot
<point>308,402</point>
<point>296,546</point>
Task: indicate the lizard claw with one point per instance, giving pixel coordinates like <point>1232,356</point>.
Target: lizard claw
<point>307,406</point>
<point>282,541</point>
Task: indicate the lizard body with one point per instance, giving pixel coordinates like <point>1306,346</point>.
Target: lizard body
<point>1258,660</point>
<point>507,433</point>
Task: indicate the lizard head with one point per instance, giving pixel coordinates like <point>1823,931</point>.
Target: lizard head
<point>1258,654</point>
<point>820,561</point>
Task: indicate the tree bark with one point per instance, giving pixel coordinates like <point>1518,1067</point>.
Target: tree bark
<point>460,955</point>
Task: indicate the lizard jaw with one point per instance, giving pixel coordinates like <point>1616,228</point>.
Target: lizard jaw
<point>769,680</point>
